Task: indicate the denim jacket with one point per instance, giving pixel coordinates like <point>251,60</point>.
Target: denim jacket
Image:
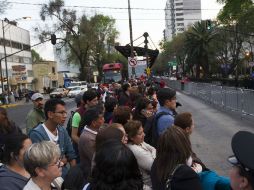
<point>39,134</point>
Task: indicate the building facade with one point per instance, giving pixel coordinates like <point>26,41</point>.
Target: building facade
<point>17,67</point>
<point>46,75</point>
<point>179,15</point>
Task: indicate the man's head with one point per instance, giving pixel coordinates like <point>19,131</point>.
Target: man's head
<point>126,87</point>
<point>55,111</point>
<point>38,101</point>
<point>167,98</point>
<point>90,98</point>
<point>93,117</point>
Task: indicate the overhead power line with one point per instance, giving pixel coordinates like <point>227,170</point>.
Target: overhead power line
<point>103,7</point>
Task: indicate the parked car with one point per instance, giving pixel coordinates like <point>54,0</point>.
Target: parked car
<point>58,93</point>
<point>75,91</point>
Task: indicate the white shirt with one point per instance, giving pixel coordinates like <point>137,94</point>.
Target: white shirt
<point>31,185</point>
<point>52,137</point>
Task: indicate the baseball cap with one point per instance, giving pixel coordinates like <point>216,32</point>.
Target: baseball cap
<point>37,95</point>
<point>242,145</point>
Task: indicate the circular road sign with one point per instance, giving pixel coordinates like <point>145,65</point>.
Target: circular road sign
<point>133,62</point>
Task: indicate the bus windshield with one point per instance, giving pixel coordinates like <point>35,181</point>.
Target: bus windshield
<point>112,76</point>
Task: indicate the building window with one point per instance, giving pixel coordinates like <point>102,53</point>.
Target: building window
<point>179,19</point>
<point>179,14</point>
<point>180,29</point>
<point>179,9</point>
<point>16,45</point>
<point>26,47</point>
<point>179,4</point>
<point>180,24</point>
<point>30,73</point>
<point>53,70</point>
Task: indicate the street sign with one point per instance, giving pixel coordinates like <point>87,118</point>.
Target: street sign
<point>132,61</point>
<point>172,63</point>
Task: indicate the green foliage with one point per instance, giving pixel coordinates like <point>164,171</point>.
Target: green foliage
<point>82,39</point>
<point>36,56</point>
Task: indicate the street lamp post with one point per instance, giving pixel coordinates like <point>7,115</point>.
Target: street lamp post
<point>4,44</point>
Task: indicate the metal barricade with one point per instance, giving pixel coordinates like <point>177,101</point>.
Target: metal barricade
<point>229,98</point>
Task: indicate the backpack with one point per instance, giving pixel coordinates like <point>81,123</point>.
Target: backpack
<point>69,124</point>
<point>150,129</point>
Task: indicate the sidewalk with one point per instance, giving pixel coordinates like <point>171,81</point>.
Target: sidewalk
<point>21,102</point>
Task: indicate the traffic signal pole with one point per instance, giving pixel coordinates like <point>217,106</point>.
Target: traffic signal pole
<point>146,47</point>
<point>133,72</point>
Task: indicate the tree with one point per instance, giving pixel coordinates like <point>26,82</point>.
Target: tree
<point>82,39</point>
<point>36,56</point>
<point>4,6</point>
<point>237,19</point>
<point>171,50</point>
<point>198,40</point>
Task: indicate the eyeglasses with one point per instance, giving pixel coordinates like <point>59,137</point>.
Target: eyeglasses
<point>62,113</point>
<point>57,163</point>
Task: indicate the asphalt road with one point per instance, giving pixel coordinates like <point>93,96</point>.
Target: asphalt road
<point>214,128</point>
<point>18,114</point>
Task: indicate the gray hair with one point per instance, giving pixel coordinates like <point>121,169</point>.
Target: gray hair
<point>40,155</point>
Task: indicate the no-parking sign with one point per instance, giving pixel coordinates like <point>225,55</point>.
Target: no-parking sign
<point>132,61</point>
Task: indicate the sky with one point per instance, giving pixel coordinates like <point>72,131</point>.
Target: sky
<point>150,19</point>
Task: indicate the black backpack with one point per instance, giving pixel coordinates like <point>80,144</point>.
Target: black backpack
<point>69,124</point>
<point>150,129</point>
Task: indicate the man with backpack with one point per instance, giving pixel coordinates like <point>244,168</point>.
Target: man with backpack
<point>89,100</point>
<point>164,117</point>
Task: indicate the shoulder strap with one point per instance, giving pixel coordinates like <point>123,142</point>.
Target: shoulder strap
<point>170,177</point>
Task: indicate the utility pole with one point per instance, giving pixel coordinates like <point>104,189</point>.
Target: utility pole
<point>146,48</point>
<point>6,68</point>
<point>131,38</point>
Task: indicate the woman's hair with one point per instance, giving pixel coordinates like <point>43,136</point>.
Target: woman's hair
<point>40,155</point>
<point>121,114</point>
<point>108,133</point>
<point>132,128</point>
<point>11,148</point>
<point>116,168</point>
<point>173,148</point>
<point>5,126</point>
<point>142,103</point>
<point>74,179</point>
<point>183,120</point>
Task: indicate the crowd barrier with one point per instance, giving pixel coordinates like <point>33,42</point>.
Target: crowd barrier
<point>230,98</point>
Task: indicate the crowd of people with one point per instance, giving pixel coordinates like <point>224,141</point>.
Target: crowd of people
<point>123,137</point>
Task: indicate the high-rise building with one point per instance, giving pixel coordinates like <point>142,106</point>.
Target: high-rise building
<point>179,15</point>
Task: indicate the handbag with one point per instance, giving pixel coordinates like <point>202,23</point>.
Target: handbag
<point>168,182</point>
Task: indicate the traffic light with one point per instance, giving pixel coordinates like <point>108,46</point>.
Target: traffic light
<point>53,39</point>
<point>208,24</point>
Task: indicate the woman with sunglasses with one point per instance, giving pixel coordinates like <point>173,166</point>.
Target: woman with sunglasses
<point>43,162</point>
<point>242,173</point>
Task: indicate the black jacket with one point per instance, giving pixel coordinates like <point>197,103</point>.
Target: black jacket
<point>184,178</point>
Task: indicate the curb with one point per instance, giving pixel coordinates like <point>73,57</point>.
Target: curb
<point>9,105</point>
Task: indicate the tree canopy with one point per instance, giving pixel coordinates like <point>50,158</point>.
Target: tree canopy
<point>85,40</point>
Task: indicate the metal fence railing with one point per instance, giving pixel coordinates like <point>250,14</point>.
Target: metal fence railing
<point>230,98</point>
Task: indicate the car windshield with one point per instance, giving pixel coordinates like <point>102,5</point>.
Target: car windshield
<point>76,88</point>
<point>58,90</point>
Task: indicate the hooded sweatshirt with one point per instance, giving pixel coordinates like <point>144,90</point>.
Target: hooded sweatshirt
<point>10,180</point>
